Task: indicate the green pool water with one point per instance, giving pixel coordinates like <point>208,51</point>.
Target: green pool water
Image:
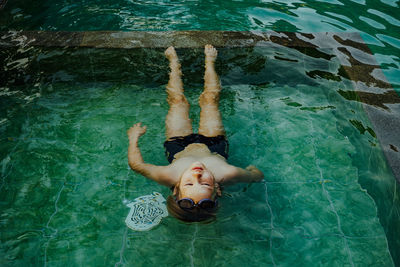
<point>328,198</point>
<point>65,179</point>
<point>376,20</point>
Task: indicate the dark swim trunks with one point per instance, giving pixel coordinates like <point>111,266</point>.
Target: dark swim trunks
<point>217,144</point>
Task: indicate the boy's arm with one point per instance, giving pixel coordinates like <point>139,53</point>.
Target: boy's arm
<point>135,160</point>
<point>239,175</point>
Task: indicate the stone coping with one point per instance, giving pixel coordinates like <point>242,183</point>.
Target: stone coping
<point>179,39</point>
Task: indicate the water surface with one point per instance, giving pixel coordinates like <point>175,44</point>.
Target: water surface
<point>328,197</point>
<point>65,178</point>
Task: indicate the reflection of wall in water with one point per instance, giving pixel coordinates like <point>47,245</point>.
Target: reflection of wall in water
<point>3,3</point>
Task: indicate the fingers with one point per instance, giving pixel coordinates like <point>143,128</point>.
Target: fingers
<point>251,167</point>
<point>137,130</point>
<point>138,125</point>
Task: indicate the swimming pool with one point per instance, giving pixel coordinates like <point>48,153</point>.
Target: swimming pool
<point>289,106</point>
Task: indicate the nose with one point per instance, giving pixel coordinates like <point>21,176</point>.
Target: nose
<point>197,175</point>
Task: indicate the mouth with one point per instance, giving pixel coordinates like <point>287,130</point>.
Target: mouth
<point>197,168</point>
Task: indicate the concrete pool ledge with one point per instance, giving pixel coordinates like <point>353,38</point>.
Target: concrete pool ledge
<point>179,39</point>
<point>380,101</point>
<point>127,40</point>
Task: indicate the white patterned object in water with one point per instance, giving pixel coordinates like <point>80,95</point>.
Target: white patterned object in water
<point>146,212</point>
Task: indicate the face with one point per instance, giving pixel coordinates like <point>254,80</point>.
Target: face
<point>197,183</point>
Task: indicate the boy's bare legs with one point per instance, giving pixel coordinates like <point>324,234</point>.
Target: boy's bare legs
<point>210,117</point>
<point>177,121</point>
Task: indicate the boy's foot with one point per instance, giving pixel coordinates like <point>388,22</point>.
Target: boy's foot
<point>170,53</point>
<point>210,52</point>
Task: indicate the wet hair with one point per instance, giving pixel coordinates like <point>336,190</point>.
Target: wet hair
<point>194,215</point>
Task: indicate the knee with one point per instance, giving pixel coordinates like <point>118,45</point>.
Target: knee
<point>208,97</point>
<point>177,99</point>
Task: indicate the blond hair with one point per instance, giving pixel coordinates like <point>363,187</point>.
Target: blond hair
<point>194,215</point>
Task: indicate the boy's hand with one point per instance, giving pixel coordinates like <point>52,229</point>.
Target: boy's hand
<point>258,175</point>
<point>136,131</point>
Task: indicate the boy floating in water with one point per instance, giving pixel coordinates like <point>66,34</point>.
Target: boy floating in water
<point>197,161</point>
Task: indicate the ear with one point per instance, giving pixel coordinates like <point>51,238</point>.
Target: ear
<point>175,192</point>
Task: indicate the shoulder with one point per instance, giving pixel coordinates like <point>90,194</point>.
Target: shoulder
<point>170,175</point>
<point>223,171</point>
<point>164,175</point>
<point>238,175</point>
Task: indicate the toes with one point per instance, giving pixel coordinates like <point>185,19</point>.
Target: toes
<point>170,49</point>
<point>210,51</point>
<point>170,52</point>
<point>208,48</point>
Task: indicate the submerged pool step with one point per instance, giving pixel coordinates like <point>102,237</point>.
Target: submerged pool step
<point>110,39</point>
<point>179,39</point>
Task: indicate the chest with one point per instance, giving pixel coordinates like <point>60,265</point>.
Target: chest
<point>213,162</point>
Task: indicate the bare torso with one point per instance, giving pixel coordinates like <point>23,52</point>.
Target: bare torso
<point>200,152</point>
